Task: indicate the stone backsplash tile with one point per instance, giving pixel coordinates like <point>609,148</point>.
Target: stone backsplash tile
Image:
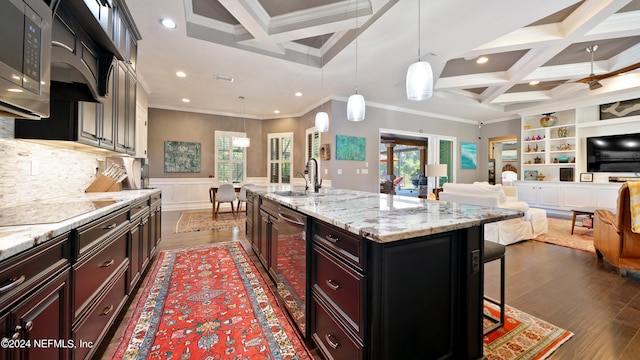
<point>34,171</point>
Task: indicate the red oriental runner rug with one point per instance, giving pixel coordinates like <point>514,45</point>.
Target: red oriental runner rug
<point>522,336</point>
<point>208,303</point>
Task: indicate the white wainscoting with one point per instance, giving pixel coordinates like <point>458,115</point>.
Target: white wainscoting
<point>180,194</point>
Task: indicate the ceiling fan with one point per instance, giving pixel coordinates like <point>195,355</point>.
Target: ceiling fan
<point>593,80</point>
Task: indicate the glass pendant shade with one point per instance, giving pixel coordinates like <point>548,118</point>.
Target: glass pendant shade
<point>355,108</point>
<point>419,81</point>
<point>243,142</point>
<point>322,121</point>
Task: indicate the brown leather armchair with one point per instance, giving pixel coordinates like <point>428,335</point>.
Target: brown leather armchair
<point>612,235</point>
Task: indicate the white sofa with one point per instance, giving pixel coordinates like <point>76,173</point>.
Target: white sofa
<point>533,223</point>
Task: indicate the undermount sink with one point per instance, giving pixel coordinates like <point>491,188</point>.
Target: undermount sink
<point>290,193</point>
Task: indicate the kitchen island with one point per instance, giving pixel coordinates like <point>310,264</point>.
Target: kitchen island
<point>387,277</point>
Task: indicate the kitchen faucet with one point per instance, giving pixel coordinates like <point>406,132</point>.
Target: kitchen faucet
<point>306,184</point>
<point>316,184</point>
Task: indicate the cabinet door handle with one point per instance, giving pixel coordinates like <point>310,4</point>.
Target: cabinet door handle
<point>334,239</point>
<point>106,310</point>
<point>334,285</point>
<point>107,263</point>
<point>14,282</point>
<point>109,227</point>
<point>333,344</point>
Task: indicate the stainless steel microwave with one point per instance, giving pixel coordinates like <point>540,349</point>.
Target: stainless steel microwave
<point>25,58</point>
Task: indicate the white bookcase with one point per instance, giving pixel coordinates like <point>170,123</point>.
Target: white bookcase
<point>547,150</point>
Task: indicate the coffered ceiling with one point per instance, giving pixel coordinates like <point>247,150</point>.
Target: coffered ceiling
<point>326,48</point>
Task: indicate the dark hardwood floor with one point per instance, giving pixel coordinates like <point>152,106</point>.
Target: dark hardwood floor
<point>568,288</point>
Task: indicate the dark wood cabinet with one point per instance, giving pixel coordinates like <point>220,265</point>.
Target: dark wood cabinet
<point>35,301</point>
<point>93,97</point>
<point>155,223</point>
<point>43,318</point>
<point>252,228</point>
<point>67,291</point>
<point>363,290</point>
<point>268,234</point>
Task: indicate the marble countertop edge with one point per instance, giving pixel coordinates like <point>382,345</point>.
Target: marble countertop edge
<point>19,238</point>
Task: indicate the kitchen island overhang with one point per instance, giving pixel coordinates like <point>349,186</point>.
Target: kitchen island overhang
<point>384,217</point>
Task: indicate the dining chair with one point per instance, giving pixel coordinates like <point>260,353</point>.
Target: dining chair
<point>225,193</point>
<point>242,197</point>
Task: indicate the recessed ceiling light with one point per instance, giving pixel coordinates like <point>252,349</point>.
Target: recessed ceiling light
<point>181,74</point>
<point>15,90</point>
<point>534,82</point>
<point>168,23</point>
<point>482,60</point>
<point>276,111</point>
<point>298,94</point>
<point>186,100</point>
<point>223,78</point>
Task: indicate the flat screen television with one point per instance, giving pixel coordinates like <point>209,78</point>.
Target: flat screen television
<point>614,153</point>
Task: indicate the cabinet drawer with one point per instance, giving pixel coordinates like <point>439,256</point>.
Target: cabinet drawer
<point>94,233</point>
<point>346,245</point>
<point>138,208</point>
<point>91,273</point>
<point>342,287</point>
<point>94,326</point>
<point>332,339</point>
<point>22,272</point>
<point>155,198</point>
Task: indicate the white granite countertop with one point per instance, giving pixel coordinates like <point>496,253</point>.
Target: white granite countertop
<point>81,209</point>
<point>386,218</point>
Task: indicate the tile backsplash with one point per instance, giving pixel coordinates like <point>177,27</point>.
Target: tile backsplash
<point>34,171</point>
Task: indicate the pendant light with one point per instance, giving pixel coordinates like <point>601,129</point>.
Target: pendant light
<point>322,118</point>
<point>355,105</point>
<point>242,142</point>
<point>419,75</point>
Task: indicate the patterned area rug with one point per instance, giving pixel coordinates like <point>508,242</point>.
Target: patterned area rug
<point>208,303</point>
<point>522,336</point>
<point>560,234</point>
<point>201,220</point>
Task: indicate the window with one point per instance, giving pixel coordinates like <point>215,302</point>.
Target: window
<point>280,157</point>
<point>230,160</point>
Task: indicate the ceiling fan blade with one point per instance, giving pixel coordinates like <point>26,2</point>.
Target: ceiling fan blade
<point>610,74</point>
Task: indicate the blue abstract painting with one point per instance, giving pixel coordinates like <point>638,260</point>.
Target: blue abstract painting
<point>350,147</point>
<point>469,155</point>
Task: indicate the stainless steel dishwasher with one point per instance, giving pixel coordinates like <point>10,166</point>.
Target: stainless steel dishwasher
<point>292,264</point>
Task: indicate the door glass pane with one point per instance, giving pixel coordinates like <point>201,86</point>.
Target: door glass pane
<point>286,173</point>
<point>274,173</point>
<point>446,157</point>
<point>286,149</point>
<point>275,149</point>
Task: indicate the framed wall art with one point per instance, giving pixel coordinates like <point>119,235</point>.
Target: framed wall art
<point>350,147</point>
<point>586,177</point>
<point>469,155</point>
<point>620,109</point>
<point>181,157</point>
<point>531,175</point>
